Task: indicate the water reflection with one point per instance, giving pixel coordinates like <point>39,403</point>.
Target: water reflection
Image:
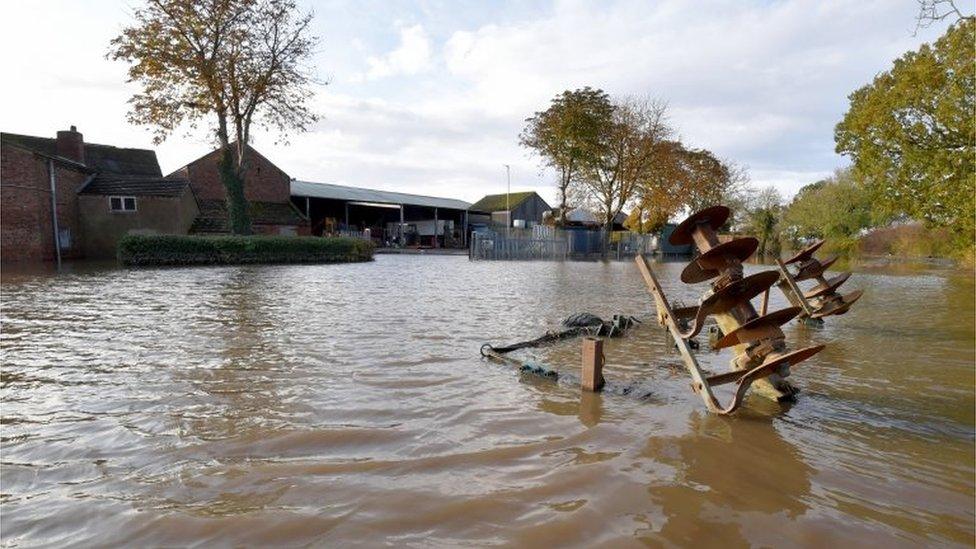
<point>239,388</point>
<point>590,408</point>
<point>347,404</point>
<point>728,468</point>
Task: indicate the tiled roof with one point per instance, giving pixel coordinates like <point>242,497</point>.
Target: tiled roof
<point>497,202</point>
<point>275,213</point>
<point>262,213</point>
<point>116,185</point>
<point>103,158</point>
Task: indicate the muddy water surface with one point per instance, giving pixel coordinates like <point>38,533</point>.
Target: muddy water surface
<point>347,404</point>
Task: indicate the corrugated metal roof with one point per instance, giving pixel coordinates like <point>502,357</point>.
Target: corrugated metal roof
<point>579,215</point>
<point>356,194</point>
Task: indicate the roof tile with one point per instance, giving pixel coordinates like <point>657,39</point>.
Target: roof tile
<point>111,184</point>
<point>102,158</point>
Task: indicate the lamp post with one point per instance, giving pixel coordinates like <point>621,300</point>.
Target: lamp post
<point>508,205</point>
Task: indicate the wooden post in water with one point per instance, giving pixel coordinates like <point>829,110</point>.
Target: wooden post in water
<point>591,378</point>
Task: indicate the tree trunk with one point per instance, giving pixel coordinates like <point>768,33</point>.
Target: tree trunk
<point>237,207</point>
<point>607,228</point>
<point>565,178</point>
<point>561,220</point>
<point>232,176</point>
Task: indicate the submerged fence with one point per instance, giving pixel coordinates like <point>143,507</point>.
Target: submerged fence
<point>548,243</point>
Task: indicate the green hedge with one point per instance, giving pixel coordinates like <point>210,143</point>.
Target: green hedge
<point>144,250</point>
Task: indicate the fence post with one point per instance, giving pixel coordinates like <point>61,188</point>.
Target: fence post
<point>591,378</point>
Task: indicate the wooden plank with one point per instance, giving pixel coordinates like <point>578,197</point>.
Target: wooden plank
<point>664,310</point>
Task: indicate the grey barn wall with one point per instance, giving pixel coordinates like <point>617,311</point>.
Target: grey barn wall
<point>531,209</point>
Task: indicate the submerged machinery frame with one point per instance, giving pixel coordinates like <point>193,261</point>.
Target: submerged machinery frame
<point>762,358</point>
<point>822,300</point>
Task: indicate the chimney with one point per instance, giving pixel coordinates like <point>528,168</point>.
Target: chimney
<point>71,145</point>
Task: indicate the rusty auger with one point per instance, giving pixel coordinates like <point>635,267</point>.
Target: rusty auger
<point>761,355</point>
<point>822,299</point>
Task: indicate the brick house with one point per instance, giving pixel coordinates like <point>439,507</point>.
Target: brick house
<point>112,206</point>
<point>267,189</point>
<point>100,193</point>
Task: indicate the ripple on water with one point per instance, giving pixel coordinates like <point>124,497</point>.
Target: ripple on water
<point>348,404</point>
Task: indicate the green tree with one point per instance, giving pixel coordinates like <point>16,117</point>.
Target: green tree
<point>231,62</point>
<point>911,133</point>
<point>836,208</point>
<point>764,209</point>
<point>566,135</point>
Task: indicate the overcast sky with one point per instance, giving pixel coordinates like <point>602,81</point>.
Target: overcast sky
<point>428,97</point>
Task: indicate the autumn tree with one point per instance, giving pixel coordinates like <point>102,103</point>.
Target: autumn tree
<point>626,155</point>
<point>229,63</point>
<point>566,136</point>
<point>657,197</point>
<point>682,179</point>
<point>912,136</point>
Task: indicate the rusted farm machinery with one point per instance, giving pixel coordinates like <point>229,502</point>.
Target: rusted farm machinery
<point>762,358</point>
<point>822,300</point>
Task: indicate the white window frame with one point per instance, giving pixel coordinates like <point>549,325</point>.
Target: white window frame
<point>122,199</point>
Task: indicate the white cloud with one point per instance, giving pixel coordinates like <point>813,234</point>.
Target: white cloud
<point>412,56</point>
<point>787,182</point>
<point>761,83</point>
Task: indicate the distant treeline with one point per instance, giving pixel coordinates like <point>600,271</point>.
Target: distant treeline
<point>909,134</point>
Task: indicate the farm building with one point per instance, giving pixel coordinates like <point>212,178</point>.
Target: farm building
<point>580,217</point>
<point>266,188</point>
<point>388,218</point>
<point>665,247</point>
<point>521,209</point>
<point>64,198</point>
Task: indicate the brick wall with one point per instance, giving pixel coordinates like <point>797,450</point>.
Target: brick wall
<point>263,182</point>
<point>25,207</point>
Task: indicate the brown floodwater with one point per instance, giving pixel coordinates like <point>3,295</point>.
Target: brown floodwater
<point>348,405</point>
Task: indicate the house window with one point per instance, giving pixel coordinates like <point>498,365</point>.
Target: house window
<point>122,203</point>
